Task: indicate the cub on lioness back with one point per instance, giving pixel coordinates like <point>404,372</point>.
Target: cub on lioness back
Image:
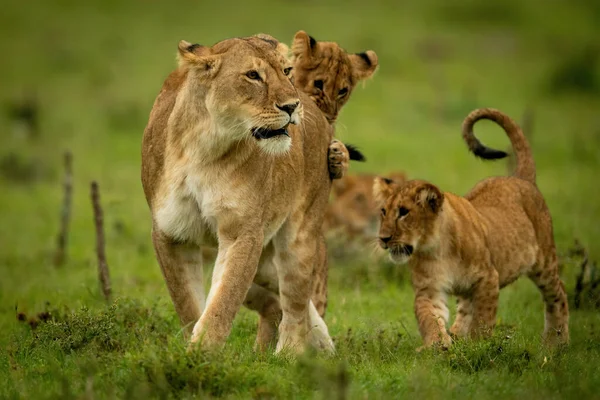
<point>474,245</point>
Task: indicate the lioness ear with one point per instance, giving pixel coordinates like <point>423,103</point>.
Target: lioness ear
<point>282,48</point>
<point>363,64</point>
<point>303,45</point>
<point>382,189</point>
<point>197,56</point>
<point>430,196</point>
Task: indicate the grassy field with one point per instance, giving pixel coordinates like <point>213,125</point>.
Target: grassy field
<point>96,68</point>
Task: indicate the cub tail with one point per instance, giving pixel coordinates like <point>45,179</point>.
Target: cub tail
<point>524,159</point>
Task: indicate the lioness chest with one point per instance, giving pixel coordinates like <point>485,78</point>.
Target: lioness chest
<point>194,203</point>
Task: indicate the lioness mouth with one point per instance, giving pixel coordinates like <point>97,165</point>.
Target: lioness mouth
<point>264,133</point>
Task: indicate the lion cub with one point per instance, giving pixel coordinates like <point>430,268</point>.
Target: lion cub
<point>474,245</point>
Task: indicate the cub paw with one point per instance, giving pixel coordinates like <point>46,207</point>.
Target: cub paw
<point>338,158</point>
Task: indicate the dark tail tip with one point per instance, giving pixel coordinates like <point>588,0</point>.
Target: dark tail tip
<point>487,153</point>
<point>355,154</point>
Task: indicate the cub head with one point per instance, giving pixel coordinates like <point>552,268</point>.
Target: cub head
<point>244,86</point>
<point>326,73</point>
<point>353,207</point>
<point>409,216</point>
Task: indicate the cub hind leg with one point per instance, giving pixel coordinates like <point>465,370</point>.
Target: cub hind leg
<point>546,278</point>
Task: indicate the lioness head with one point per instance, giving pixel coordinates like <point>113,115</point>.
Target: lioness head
<point>325,72</point>
<point>409,216</point>
<point>244,85</point>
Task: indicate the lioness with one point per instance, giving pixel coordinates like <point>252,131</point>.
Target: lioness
<point>227,158</point>
<point>474,245</point>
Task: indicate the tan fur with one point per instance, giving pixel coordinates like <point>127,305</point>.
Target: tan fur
<point>352,210</point>
<point>339,72</point>
<point>474,245</point>
<point>208,180</point>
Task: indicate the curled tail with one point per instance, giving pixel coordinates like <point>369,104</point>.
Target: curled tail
<point>525,165</point>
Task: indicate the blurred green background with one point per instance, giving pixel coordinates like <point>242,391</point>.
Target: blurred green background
<point>92,69</point>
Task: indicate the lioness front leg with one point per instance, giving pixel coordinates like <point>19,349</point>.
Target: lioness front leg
<point>485,304</point>
<point>266,304</point>
<point>301,322</point>
<point>338,158</point>
<point>235,268</point>
<point>432,315</point>
<point>181,265</point>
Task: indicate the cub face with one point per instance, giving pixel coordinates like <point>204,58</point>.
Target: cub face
<point>326,73</point>
<point>409,216</point>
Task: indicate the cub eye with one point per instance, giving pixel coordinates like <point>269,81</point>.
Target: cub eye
<point>287,71</point>
<point>253,75</point>
<point>383,212</point>
<point>402,212</point>
<point>319,84</point>
<point>343,92</point>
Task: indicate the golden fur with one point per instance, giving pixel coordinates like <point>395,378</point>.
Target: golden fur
<point>352,210</point>
<point>217,168</point>
<point>474,245</point>
<point>328,75</point>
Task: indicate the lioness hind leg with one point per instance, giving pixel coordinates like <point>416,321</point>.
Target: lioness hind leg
<point>338,158</point>
<point>295,262</point>
<point>485,305</point>
<point>181,265</point>
<point>266,303</point>
<point>464,317</point>
<point>556,326</point>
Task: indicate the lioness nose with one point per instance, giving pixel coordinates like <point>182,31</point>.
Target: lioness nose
<point>289,107</point>
<point>385,239</point>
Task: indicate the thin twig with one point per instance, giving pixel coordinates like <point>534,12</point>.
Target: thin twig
<point>103,274</point>
<point>65,215</point>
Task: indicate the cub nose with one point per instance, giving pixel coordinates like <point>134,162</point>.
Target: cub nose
<point>289,107</point>
<point>384,239</point>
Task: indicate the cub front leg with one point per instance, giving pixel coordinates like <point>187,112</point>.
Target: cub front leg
<point>432,315</point>
<point>464,316</point>
<point>338,158</point>
<point>234,271</point>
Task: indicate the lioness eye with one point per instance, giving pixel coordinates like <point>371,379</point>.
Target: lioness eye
<point>383,212</point>
<point>402,212</point>
<point>287,71</point>
<point>253,75</point>
<point>343,92</point>
<point>319,84</point>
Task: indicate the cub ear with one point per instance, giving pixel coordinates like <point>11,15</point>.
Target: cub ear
<point>382,189</point>
<point>198,56</point>
<point>364,64</point>
<point>430,196</point>
<point>303,45</point>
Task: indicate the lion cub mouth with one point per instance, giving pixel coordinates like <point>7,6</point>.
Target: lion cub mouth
<point>265,133</point>
<point>403,250</point>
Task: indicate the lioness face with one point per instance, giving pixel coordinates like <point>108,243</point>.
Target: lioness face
<point>409,212</point>
<point>246,88</point>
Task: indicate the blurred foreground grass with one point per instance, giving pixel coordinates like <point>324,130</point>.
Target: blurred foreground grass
<point>95,68</point>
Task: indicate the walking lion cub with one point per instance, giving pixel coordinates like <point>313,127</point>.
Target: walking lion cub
<point>475,245</point>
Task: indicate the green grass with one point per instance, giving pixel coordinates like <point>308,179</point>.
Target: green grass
<point>97,66</point>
